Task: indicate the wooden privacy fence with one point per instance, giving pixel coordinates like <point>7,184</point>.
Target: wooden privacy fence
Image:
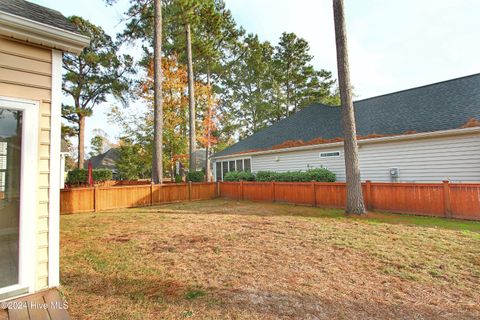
<point>451,200</point>
<point>106,198</point>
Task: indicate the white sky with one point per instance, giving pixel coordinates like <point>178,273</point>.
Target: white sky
<point>393,45</point>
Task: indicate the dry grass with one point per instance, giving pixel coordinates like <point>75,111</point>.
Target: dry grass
<point>241,260</point>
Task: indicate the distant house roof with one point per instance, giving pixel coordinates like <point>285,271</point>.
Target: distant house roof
<point>33,23</point>
<point>105,160</point>
<point>440,106</point>
<point>37,13</point>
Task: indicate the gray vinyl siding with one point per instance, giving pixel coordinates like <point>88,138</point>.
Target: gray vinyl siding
<point>454,158</point>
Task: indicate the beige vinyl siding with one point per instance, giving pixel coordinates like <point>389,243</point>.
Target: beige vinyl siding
<point>454,158</point>
<point>25,72</point>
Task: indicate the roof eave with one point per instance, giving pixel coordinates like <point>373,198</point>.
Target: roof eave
<point>42,34</point>
<point>413,136</point>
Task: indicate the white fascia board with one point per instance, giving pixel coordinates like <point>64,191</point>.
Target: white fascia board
<point>413,136</point>
<point>43,34</point>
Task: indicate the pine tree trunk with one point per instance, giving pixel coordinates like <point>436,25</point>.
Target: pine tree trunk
<point>354,187</point>
<point>191,100</point>
<point>157,163</point>
<point>209,133</point>
<point>81,141</point>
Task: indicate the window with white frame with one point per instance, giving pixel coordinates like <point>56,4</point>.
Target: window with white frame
<point>223,167</point>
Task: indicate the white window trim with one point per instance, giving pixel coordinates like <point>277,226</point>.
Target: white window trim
<point>54,191</point>
<point>28,192</point>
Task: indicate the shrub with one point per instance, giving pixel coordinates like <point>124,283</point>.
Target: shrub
<point>102,175</point>
<point>320,175</point>
<point>265,176</point>
<point>196,176</point>
<point>79,176</point>
<point>239,176</point>
<point>178,179</point>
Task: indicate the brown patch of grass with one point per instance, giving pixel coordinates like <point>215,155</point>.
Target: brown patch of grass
<point>241,260</point>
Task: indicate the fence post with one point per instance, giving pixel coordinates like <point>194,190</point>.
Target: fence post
<point>151,194</point>
<point>189,190</point>
<point>241,190</point>
<point>314,195</point>
<point>218,189</point>
<point>446,199</point>
<point>273,190</point>
<point>368,197</point>
<point>95,199</point>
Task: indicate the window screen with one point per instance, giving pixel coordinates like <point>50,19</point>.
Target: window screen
<point>224,169</point>
<point>239,165</point>
<point>247,166</point>
<point>218,170</point>
<point>231,166</point>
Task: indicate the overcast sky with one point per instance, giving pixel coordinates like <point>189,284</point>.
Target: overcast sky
<point>394,45</point>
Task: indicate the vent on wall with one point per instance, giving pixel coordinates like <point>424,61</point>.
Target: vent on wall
<point>330,154</point>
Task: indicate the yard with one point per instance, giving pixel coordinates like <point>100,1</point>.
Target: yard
<point>241,260</point>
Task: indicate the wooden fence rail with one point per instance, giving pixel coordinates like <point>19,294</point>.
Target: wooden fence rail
<point>451,200</point>
<point>78,200</point>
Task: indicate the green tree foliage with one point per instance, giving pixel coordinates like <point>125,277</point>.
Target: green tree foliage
<point>299,82</point>
<point>90,77</point>
<point>196,176</point>
<point>214,35</point>
<point>266,84</point>
<point>96,143</point>
<point>134,162</point>
<point>249,86</point>
<point>68,132</point>
<point>255,83</point>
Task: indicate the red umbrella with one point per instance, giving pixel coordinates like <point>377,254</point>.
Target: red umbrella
<point>90,174</point>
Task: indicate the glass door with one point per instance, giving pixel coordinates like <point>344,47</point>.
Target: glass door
<point>18,195</point>
<point>10,177</point>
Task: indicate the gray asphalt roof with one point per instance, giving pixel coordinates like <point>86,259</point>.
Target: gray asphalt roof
<point>439,106</point>
<point>106,160</point>
<point>37,13</point>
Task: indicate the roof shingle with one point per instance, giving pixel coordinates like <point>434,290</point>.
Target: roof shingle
<point>37,13</point>
<point>440,106</point>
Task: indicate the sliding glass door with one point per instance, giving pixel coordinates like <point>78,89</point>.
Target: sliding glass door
<point>10,171</point>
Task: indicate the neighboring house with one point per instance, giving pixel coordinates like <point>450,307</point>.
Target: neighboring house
<point>429,133</point>
<point>32,39</point>
<point>106,160</point>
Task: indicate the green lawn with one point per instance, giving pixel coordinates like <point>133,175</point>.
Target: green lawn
<point>241,260</point>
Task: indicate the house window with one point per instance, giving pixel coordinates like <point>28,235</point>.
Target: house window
<point>331,154</point>
<point>224,168</point>
<point>218,170</point>
<point>247,165</point>
<point>239,165</point>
